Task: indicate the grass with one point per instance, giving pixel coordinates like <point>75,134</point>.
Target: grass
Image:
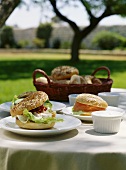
<point>16,69</point>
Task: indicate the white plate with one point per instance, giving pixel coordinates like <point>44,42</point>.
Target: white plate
<point>57,106</point>
<point>5,106</point>
<point>68,124</point>
<point>118,90</point>
<point>68,111</point>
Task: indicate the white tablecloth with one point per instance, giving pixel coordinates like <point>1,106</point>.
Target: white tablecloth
<point>79,149</point>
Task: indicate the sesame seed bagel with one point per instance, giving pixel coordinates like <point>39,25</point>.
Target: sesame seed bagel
<point>63,72</point>
<point>25,94</point>
<point>32,101</point>
<point>89,102</point>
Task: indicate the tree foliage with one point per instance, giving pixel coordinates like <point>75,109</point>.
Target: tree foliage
<point>44,32</point>
<point>106,40</point>
<point>7,37</point>
<point>39,43</point>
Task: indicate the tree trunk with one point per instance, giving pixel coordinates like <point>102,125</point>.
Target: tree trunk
<point>79,35</point>
<point>6,8</point>
<point>77,39</point>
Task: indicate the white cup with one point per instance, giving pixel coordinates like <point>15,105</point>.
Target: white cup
<point>107,121</point>
<point>72,99</point>
<point>112,98</point>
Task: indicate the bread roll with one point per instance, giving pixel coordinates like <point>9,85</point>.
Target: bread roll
<point>96,81</point>
<point>88,103</point>
<point>42,80</point>
<point>88,78</point>
<point>64,72</point>
<point>76,79</point>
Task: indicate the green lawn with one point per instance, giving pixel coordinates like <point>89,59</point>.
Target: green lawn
<point>16,69</point>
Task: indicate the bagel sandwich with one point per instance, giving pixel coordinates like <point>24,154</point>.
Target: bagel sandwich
<point>34,111</point>
<point>86,103</point>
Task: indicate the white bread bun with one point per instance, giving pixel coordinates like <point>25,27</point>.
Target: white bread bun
<point>88,78</point>
<point>96,81</point>
<point>32,125</point>
<point>42,80</point>
<point>76,79</point>
<point>32,101</point>
<point>89,103</point>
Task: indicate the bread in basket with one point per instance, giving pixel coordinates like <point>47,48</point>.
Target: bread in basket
<point>60,91</point>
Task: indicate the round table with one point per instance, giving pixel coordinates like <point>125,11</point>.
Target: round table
<point>78,149</point>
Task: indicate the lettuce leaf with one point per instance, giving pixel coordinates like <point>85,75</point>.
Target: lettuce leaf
<point>48,104</point>
<point>78,113</point>
<point>81,113</point>
<point>15,100</point>
<point>35,119</point>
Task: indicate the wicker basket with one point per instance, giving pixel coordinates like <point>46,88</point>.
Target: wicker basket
<point>60,92</point>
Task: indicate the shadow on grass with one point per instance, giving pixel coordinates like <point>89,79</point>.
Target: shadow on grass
<point>17,69</point>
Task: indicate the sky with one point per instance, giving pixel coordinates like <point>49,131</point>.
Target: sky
<point>24,18</point>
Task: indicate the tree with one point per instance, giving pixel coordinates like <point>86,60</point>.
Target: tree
<point>39,43</point>
<point>6,8</point>
<point>7,37</point>
<point>107,40</point>
<point>93,8</point>
<point>44,32</point>
<point>96,11</point>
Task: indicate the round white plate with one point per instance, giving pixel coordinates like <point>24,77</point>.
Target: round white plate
<point>68,111</point>
<point>57,106</point>
<point>68,124</point>
<point>5,106</point>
